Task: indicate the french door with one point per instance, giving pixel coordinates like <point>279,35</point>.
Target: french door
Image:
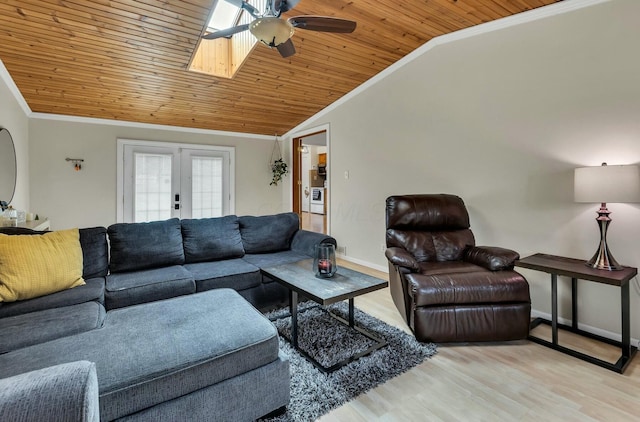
<point>160,181</point>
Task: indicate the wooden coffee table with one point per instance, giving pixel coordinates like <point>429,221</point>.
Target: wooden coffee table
<point>346,284</point>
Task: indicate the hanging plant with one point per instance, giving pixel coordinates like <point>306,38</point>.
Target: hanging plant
<point>278,166</point>
<point>278,170</point>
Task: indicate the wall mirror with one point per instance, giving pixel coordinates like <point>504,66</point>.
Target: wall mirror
<point>7,166</point>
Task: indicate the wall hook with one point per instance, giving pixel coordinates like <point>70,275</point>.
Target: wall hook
<point>77,163</point>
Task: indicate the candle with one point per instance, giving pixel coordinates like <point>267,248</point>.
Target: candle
<point>324,266</point>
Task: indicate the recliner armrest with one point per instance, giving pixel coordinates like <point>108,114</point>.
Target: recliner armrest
<point>402,258</point>
<point>490,257</point>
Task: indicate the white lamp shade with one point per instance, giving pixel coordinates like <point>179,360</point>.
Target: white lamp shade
<point>608,184</point>
<point>271,31</point>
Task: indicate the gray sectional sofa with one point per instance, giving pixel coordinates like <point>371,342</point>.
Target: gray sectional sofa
<point>169,317</point>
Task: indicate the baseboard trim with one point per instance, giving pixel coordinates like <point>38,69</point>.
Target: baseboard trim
<point>364,263</point>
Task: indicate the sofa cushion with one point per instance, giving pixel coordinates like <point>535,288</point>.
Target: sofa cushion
<point>37,327</point>
<point>60,393</point>
<point>95,252</point>
<point>138,246</point>
<point>32,266</point>
<point>91,291</point>
<point>126,289</point>
<point>211,239</point>
<point>481,287</point>
<point>269,233</point>
<point>235,274</point>
<point>159,351</point>
<point>93,240</point>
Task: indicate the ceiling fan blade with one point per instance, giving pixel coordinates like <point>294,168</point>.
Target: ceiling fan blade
<point>323,24</point>
<point>286,49</point>
<point>284,5</point>
<point>226,32</point>
<point>241,4</point>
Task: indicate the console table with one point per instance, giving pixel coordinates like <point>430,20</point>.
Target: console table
<point>576,269</point>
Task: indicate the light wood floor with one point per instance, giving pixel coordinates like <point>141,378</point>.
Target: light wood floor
<point>314,222</point>
<point>512,381</point>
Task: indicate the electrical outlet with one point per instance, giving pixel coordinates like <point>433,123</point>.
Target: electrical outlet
<point>383,247</point>
<point>342,250</point>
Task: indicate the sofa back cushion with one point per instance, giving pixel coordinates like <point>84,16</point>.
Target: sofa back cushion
<point>211,239</point>
<point>33,266</point>
<point>93,241</point>
<point>95,252</point>
<point>269,233</point>
<point>138,246</point>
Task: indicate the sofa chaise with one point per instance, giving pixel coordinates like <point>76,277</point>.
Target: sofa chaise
<point>168,316</point>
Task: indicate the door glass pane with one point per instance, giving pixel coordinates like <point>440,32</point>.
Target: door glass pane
<point>153,187</point>
<point>206,187</point>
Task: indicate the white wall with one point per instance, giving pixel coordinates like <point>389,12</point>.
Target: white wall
<point>14,119</point>
<point>502,119</point>
<point>88,197</point>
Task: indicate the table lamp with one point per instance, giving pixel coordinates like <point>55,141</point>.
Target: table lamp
<point>606,184</point>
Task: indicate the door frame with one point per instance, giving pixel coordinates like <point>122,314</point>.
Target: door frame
<point>296,161</point>
<point>120,144</point>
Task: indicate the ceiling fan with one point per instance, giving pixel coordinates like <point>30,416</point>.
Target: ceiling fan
<point>273,31</point>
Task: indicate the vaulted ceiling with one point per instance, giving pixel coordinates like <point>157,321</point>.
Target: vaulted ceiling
<point>127,59</point>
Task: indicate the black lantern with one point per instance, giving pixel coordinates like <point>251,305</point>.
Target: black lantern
<point>324,262</point>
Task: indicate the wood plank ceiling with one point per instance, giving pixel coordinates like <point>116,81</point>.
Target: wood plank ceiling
<point>127,59</point>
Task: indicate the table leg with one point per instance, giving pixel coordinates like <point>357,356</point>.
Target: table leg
<point>351,312</point>
<point>554,309</point>
<point>626,325</point>
<point>293,309</point>
<point>574,303</point>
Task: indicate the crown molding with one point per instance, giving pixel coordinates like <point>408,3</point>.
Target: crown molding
<point>125,123</point>
<point>13,88</point>
<point>8,80</point>
<point>506,22</point>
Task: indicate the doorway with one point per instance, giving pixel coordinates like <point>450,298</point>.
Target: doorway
<point>310,187</point>
<point>158,181</point>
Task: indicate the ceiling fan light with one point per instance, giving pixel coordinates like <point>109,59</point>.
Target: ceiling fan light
<point>271,31</point>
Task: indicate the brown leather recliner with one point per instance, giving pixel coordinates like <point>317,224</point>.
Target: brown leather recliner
<point>446,288</point>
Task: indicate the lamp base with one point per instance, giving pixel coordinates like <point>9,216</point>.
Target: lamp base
<point>603,260</point>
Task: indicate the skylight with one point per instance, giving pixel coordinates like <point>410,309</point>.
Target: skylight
<point>225,15</point>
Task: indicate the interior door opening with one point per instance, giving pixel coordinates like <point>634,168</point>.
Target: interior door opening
<point>310,187</point>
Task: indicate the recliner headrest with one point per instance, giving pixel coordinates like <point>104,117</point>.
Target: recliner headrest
<point>429,212</point>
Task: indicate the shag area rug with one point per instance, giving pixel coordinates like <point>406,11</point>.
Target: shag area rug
<point>314,393</point>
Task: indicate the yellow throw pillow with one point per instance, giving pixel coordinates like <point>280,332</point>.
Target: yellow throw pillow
<point>38,265</point>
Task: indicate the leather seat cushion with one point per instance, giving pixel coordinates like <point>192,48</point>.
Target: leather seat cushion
<point>468,287</point>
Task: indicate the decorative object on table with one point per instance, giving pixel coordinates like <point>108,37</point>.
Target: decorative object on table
<point>77,163</point>
<point>314,393</point>
<point>606,184</point>
<point>11,216</point>
<point>278,166</point>
<point>324,260</point>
